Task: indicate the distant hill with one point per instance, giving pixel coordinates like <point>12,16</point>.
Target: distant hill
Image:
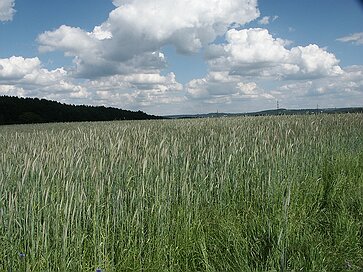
<point>271,112</point>
<point>15,110</point>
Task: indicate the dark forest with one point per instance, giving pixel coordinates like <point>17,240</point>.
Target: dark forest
<point>15,110</point>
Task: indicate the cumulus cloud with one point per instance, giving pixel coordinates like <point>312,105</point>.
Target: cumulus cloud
<point>220,90</point>
<point>7,10</point>
<point>135,91</point>
<point>121,58</point>
<point>147,91</point>
<point>12,90</point>
<point>26,76</point>
<point>356,38</point>
<point>160,22</point>
<point>72,40</point>
<point>217,86</point>
<point>138,28</point>
<point>91,56</point>
<point>229,93</point>
<point>120,62</point>
<point>244,68</point>
<point>341,91</point>
<point>255,52</point>
<point>199,23</point>
<point>15,68</point>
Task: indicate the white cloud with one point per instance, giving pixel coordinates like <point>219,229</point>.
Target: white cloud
<point>253,69</point>
<point>341,91</point>
<point>12,90</point>
<point>25,76</point>
<point>90,53</point>
<point>137,91</point>
<point>137,28</point>
<point>267,20</point>
<point>313,61</point>
<point>235,93</point>
<point>15,68</point>
<point>137,82</point>
<point>72,40</point>
<point>223,85</point>
<point>160,22</point>
<point>356,38</point>
<point>140,90</point>
<point>226,93</point>
<point>119,63</point>
<point>254,52</point>
<point>7,10</point>
<point>121,58</point>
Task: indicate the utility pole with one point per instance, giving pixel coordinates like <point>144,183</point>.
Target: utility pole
<point>277,105</point>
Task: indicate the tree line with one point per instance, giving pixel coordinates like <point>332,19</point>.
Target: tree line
<point>16,110</point>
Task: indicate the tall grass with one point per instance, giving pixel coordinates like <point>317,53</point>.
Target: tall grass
<point>235,194</point>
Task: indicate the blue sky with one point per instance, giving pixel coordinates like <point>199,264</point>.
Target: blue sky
<point>225,55</point>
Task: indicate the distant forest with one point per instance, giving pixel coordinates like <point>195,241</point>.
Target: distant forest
<point>15,110</point>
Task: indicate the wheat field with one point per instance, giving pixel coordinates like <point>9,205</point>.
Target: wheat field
<point>280,193</point>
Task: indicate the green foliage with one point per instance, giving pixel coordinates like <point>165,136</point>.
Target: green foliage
<point>237,194</point>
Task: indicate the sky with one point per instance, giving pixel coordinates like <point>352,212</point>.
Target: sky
<point>182,56</point>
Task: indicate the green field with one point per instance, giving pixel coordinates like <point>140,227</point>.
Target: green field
<point>278,193</point>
